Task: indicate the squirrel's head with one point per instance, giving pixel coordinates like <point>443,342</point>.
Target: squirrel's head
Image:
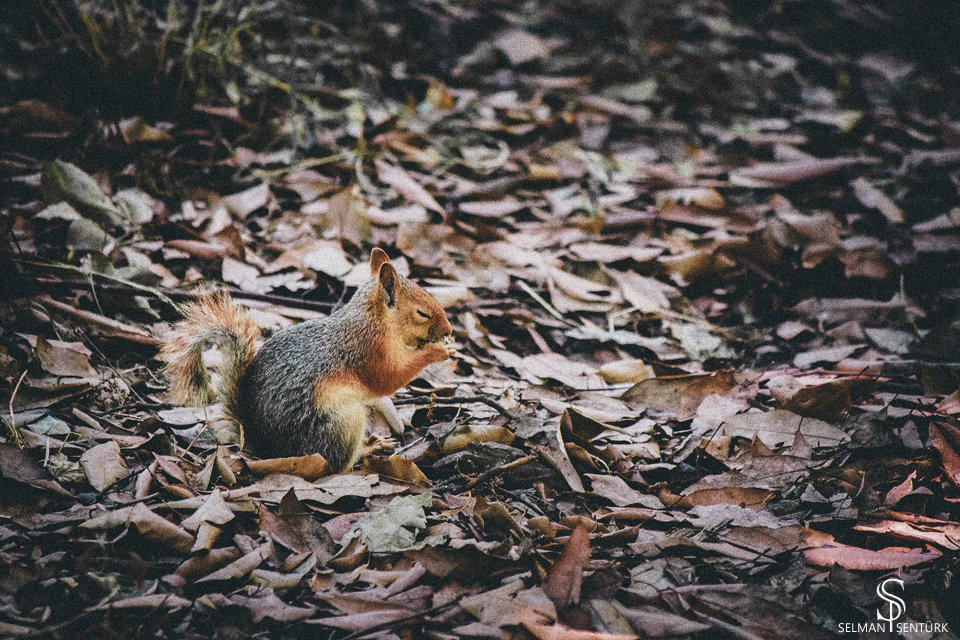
<point>419,319</point>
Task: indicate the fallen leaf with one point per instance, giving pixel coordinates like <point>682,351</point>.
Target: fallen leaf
<point>243,203</point>
<point>62,181</point>
<point>566,575</point>
<point>309,467</point>
<point>945,535</point>
<point>563,632</point>
<point>520,46</point>
<point>662,393</point>
<point>873,198</point>
<point>65,358</point>
<point>406,186</point>
<point>866,559</point>
<point>394,528</point>
<point>778,427</point>
<point>576,375</point>
<point>779,174</point>
<point>103,465</point>
<point>16,464</point>
<point>625,371</point>
<point>619,493</point>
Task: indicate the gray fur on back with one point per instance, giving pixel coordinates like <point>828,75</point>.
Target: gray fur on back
<point>276,403</point>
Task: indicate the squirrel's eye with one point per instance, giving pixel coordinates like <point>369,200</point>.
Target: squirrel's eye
<point>425,316</point>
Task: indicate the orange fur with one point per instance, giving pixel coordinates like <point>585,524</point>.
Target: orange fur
<point>212,317</point>
<point>391,365</point>
<point>344,396</point>
<point>311,386</point>
<point>378,257</point>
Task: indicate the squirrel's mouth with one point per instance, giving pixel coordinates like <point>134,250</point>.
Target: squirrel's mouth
<point>422,342</point>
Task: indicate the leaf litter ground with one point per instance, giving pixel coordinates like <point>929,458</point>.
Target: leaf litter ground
<point>701,266</point>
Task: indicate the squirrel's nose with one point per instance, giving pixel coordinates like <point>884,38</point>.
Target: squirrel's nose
<point>444,328</point>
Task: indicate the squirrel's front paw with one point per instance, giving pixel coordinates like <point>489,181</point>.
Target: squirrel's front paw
<point>448,347</point>
<point>378,445</point>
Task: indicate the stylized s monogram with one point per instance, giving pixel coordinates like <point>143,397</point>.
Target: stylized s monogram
<point>897,606</point>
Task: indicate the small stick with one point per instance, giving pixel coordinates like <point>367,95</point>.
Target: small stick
<point>489,473</point>
<point>129,332</point>
<point>543,303</point>
<point>455,400</point>
<point>14,429</point>
<point>77,285</point>
<point>393,624</point>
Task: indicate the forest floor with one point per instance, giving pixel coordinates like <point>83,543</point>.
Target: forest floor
<point>702,261</point>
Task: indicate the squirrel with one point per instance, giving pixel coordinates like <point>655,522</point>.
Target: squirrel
<point>308,388</point>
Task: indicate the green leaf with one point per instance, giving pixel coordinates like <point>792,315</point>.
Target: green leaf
<point>394,528</point>
<point>62,181</point>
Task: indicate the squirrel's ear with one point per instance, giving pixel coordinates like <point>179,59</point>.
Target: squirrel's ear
<point>378,257</point>
<point>389,281</point>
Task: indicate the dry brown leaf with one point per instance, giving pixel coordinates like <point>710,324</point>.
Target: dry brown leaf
<point>657,623</point>
<point>780,174</point>
<point>492,208</point>
<point>203,249</point>
<point>582,288</point>
<point>400,469</point>
<point>946,438</point>
<point>945,535</point>
<point>625,371</point>
<point>566,575</point>
<point>65,358</point>
<point>204,563</point>
<point>576,375</point>
<point>779,427</point>
<point>716,384</point>
<point>829,401</point>
<point>866,559</point>
<point>346,212</point>
<point>696,264</point>
<point>521,46</point>
<point>648,295</point>
<point>326,490</point>
<point>246,202</point>
<point>159,529</point>
<point>562,632</point>
<point>152,601</point>
<point>214,510</point>
<point>241,566</point>
<point>637,113</point>
<point>705,197</point>
<point>363,621</point>
<point>749,497</point>
<point>604,253</point>
<point>406,186</point>
<point>18,465</point>
<point>309,467</point>
<point>614,489</point>
<point>103,465</point>
<point>873,198</point>
<point>663,393</point>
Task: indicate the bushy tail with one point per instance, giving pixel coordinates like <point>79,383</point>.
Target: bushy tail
<point>212,317</point>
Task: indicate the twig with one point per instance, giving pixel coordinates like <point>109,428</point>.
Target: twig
<point>543,303</point>
<point>129,332</point>
<point>48,284</point>
<point>489,473</point>
<point>398,623</point>
<point>912,367</point>
<point>14,429</point>
<point>697,588</point>
<point>455,400</point>
<point>732,629</point>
